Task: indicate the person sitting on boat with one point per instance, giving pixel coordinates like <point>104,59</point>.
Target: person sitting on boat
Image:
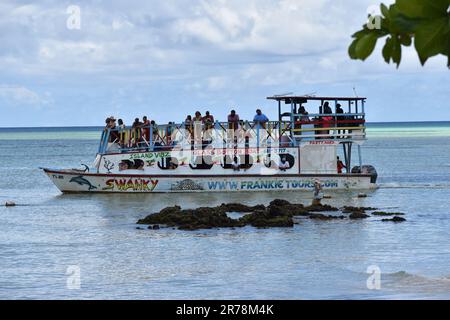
<point>233,120</point>
<point>340,165</point>
<point>260,118</point>
<point>284,165</point>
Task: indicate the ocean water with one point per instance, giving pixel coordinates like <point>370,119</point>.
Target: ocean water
<point>51,240</point>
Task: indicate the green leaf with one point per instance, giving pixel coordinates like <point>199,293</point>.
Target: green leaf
<point>351,49</point>
<point>396,51</point>
<point>405,39</point>
<point>423,8</point>
<point>431,38</point>
<point>365,46</point>
<point>404,24</point>
<point>385,11</point>
<point>387,50</point>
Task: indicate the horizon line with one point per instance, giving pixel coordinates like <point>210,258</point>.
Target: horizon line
<point>369,122</point>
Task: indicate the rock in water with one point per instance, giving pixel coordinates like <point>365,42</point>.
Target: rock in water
<point>394,219</point>
<point>382,213</point>
<point>10,204</point>
<point>358,215</point>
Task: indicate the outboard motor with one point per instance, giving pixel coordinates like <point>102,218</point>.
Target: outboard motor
<point>367,169</point>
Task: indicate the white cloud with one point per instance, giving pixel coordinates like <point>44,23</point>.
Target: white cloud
<point>19,95</point>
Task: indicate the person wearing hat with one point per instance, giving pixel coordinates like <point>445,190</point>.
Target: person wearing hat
<point>113,133</point>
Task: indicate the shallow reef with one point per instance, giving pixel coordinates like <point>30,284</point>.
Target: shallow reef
<point>279,213</point>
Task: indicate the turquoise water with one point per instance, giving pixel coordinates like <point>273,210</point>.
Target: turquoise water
<point>48,232</point>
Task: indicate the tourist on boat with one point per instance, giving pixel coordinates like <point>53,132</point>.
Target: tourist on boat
<point>198,117</point>
<point>113,134</point>
<point>123,136</point>
<point>304,114</point>
<point>340,165</point>
<point>327,120</point>
<point>284,165</point>
<point>260,118</point>
<point>188,122</point>
<point>233,120</point>
<point>208,120</point>
<point>146,128</point>
<point>136,133</point>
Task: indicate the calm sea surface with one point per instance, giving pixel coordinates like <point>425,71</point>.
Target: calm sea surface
<point>49,236</point>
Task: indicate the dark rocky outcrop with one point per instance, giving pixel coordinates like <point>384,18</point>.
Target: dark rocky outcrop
<point>191,219</point>
<point>318,207</point>
<point>237,207</point>
<point>395,219</point>
<point>279,213</point>
<point>358,215</point>
<point>319,216</point>
<point>265,219</point>
<point>350,209</point>
<point>382,213</point>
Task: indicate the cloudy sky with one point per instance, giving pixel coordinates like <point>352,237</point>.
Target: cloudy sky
<point>166,59</point>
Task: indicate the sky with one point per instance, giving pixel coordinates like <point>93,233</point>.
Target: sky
<point>167,59</point>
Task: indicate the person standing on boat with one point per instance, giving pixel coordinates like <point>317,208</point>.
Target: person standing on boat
<point>146,128</point>
<point>260,118</point>
<point>122,134</point>
<point>233,120</point>
<point>198,117</point>
<point>326,120</point>
<point>136,132</point>
<point>208,120</point>
<point>340,165</point>
<point>114,134</point>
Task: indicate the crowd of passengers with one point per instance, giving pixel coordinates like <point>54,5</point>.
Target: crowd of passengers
<point>140,130</point>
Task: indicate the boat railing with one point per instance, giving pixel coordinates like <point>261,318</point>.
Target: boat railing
<point>197,135</point>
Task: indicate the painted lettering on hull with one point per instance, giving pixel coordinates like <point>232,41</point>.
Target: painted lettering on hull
<point>128,184</point>
<point>269,184</point>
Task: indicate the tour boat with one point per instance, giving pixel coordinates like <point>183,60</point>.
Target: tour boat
<point>292,153</point>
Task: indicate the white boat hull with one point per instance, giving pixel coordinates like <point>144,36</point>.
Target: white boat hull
<point>77,181</point>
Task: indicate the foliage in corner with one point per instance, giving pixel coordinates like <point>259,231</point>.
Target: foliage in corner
<point>424,22</point>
